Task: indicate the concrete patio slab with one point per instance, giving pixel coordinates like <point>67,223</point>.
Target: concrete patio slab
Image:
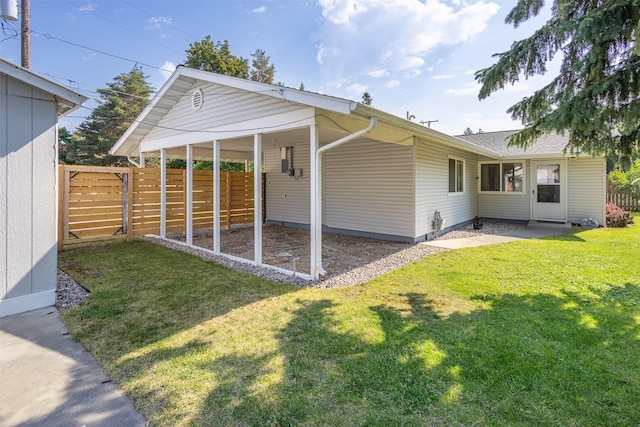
<point>530,232</point>
<point>48,379</point>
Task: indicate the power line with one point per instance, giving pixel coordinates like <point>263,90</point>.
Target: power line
<point>153,16</point>
<point>129,30</point>
<point>49,36</point>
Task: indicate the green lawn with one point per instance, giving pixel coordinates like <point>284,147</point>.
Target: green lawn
<point>539,332</point>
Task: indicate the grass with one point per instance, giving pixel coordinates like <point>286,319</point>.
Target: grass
<point>539,332</point>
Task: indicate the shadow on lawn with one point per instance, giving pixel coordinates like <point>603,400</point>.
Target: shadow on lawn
<point>538,359</point>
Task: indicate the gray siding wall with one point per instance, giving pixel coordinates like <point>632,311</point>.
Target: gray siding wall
<point>288,198</point>
<point>587,189</point>
<point>368,187</point>
<point>217,110</point>
<point>432,187</point>
<point>507,205</point>
<point>27,191</point>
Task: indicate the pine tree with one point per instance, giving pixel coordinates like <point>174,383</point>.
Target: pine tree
<point>261,70</point>
<point>120,103</point>
<point>596,94</point>
<point>366,98</point>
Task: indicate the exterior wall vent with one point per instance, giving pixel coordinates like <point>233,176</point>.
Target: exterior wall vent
<point>197,100</point>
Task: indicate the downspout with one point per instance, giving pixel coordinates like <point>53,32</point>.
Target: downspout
<point>316,267</point>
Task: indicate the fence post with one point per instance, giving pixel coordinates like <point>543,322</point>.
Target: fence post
<point>228,175</point>
<point>130,184</point>
<point>61,204</point>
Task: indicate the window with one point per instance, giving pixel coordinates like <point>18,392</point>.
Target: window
<point>502,177</point>
<point>456,176</point>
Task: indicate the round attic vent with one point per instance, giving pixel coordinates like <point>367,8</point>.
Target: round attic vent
<point>197,100</point>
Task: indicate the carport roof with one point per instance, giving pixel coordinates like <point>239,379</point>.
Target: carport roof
<point>183,78</point>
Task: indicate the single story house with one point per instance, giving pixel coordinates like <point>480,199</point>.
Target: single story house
<point>30,107</point>
<point>337,165</point>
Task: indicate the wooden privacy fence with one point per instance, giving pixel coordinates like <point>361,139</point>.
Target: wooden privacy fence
<point>625,201</point>
<point>97,203</point>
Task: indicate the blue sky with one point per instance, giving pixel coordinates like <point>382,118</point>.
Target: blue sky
<point>410,55</point>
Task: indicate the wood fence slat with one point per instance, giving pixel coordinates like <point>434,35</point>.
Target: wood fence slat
<point>95,204</point>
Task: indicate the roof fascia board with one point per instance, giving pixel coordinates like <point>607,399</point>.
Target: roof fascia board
<point>263,125</point>
<point>62,94</point>
<point>141,117</point>
<point>424,132</point>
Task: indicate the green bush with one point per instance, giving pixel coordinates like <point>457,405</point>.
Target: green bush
<point>617,217</point>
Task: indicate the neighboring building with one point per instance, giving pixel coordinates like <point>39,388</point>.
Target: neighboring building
<point>345,167</point>
<point>29,110</point>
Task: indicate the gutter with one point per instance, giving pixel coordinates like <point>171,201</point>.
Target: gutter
<point>316,213</point>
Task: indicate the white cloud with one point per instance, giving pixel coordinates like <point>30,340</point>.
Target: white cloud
<point>89,7</point>
<point>89,57</point>
<point>378,73</point>
<point>469,89</point>
<point>391,84</point>
<point>261,9</point>
<point>412,73</point>
<point>157,22</point>
<point>443,77</point>
<point>167,69</point>
<point>356,88</point>
<point>360,37</point>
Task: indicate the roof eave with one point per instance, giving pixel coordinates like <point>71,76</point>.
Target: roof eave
<point>68,99</point>
<point>421,130</point>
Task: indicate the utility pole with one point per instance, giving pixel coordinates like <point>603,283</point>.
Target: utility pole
<point>26,35</point>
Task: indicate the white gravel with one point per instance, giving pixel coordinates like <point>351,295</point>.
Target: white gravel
<point>71,293</point>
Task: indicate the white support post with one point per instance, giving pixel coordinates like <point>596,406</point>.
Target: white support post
<point>257,197</point>
<point>246,166</point>
<point>216,197</point>
<point>189,199</point>
<point>163,193</point>
<point>142,160</point>
<point>316,203</point>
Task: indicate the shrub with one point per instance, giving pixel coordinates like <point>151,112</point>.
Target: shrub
<point>617,217</point>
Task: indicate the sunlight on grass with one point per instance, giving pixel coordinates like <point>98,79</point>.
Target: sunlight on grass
<point>531,332</point>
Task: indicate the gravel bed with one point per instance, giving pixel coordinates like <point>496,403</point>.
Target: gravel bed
<point>356,276</point>
<point>488,227</point>
<point>70,292</point>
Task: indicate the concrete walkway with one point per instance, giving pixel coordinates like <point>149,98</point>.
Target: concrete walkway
<point>532,231</point>
<point>48,379</point>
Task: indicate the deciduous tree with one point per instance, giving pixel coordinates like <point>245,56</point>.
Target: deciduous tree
<point>216,57</point>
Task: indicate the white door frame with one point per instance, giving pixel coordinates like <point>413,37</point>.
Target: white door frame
<point>546,211</point>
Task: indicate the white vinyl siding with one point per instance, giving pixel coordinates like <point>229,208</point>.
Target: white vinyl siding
<point>288,197</point>
<point>432,187</point>
<point>505,205</point>
<point>368,187</point>
<point>221,106</point>
<point>28,134</point>
<point>586,188</point>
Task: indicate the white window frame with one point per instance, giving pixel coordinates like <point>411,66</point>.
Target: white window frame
<point>501,163</point>
<point>464,175</point>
